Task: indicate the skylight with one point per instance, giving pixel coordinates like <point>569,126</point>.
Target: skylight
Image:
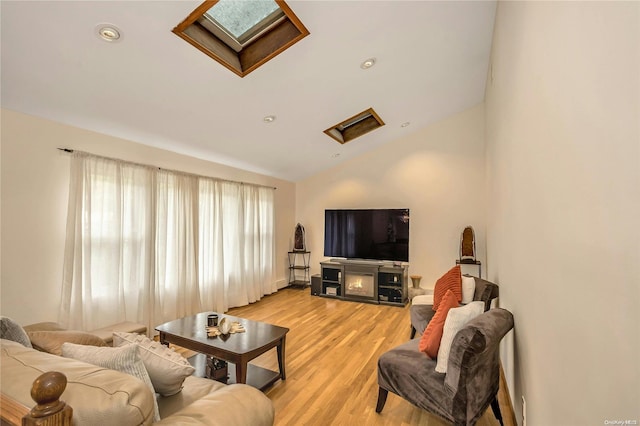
<point>242,35</point>
<point>243,20</point>
<point>355,126</point>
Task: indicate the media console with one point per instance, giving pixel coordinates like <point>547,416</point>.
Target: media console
<point>371,282</point>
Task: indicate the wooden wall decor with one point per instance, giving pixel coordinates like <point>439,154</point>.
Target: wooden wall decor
<point>468,244</point>
<point>299,243</point>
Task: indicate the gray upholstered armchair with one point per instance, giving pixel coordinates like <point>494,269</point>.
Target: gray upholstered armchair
<point>471,382</point>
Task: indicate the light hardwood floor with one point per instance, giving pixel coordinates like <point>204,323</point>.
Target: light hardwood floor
<point>332,350</point>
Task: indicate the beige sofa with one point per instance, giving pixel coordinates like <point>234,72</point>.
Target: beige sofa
<point>101,396</point>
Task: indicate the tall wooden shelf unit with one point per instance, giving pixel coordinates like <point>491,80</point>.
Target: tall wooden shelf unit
<point>299,268</point>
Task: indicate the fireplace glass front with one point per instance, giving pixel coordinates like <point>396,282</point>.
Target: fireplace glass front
<point>359,284</point>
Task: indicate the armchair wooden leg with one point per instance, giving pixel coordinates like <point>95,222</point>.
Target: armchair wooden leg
<point>382,399</point>
<point>495,406</point>
<point>413,332</point>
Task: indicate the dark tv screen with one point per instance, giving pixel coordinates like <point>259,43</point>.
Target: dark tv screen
<point>378,234</point>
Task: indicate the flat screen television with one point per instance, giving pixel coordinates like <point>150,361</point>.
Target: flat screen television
<point>374,234</point>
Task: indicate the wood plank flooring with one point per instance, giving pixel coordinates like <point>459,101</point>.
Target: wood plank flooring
<point>332,350</point>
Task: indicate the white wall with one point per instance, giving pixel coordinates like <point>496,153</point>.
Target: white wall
<point>35,180</point>
<point>437,172</point>
<point>563,167</point>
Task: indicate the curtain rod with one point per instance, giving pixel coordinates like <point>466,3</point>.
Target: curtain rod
<point>71,151</point>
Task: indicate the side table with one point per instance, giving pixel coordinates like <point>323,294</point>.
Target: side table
<point>299,272</point>
<point>471,262</point>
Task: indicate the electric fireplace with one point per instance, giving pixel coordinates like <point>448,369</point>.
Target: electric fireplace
<point>360,284</point>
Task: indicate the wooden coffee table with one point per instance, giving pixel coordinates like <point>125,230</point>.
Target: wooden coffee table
<point>239,348</point>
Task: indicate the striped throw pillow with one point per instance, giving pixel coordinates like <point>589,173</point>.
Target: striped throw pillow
<point>452,280</point>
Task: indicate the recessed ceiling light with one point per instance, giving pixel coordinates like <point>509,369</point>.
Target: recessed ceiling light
<point>108,32</point>
<point>269,119</point>
<point>405,124</point>
<point>368,63</point>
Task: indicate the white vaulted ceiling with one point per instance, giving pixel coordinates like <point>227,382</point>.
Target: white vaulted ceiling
<point>154,88</point>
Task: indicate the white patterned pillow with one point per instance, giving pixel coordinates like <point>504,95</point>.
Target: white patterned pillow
<point>125,359</point>
<point>468,289</point>
<point>456,319</point>
<point>167,369</point>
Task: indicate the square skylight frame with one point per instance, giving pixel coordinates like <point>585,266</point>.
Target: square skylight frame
<point>243,56</point>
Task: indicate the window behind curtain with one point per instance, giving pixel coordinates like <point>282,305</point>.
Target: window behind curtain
<point>151,245</point>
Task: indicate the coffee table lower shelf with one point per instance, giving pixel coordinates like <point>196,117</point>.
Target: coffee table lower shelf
<point>258,377</point>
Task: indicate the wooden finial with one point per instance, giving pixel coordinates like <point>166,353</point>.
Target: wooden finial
<point>46,392</point>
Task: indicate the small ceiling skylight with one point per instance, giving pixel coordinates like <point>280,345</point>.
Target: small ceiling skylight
<point>355,126</point>
<point>242,35</point>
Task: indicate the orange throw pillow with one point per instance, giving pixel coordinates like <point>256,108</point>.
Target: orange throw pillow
<point>430,340</point>
<point>452,280</point>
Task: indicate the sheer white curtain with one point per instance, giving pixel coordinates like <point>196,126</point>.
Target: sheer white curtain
<point>176,292</point>
<point>237,244</point>
<point>213,286</point>
<point>151,245</point>
<point>260,240</point>
<point>108,252</point>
